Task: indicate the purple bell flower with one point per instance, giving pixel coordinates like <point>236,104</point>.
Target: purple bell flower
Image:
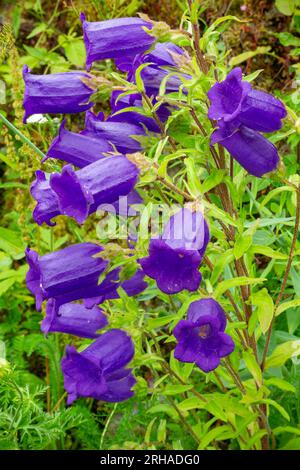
<point>66,275</point>
<point>116,38</point>
<point>99,371</point>
<point>234,100</point>
<point>79,193</point>
<point>64,93</point>
<point>78,149</point>
<point>153,74</point>
<point>201,338</point>
<point>73,319</point>
<point>252,150</point>
<point>120,134</point>
<point>175,257</point>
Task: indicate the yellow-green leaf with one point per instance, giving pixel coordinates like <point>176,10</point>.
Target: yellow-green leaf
<point>265,308</point>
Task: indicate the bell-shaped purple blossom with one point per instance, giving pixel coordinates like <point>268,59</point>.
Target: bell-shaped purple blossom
<point>78,149</point>
<point>115,38</point>
<point>73,319</point>
<point>57,93</point>
<point>120,134</point>
<point>79,193</point>
<point>67,275</point>
<point>100,370</point>
<point>135,100</point>
<point>175,257</point>
<point>252,150</point>
<point>234,100</point>
<point>154,73</point>
<point>241,114</point>
<point>201,338</point>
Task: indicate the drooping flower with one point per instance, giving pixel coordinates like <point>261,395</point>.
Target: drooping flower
<point>73,319</point>
<point>100,370</point>
<point>79,193</point>
<point>251,149</point>
<point>154,73</point>
<point>78,149</point>
<point>235,100</point>
<point>115,38</point>
<point>64,93</point>
<point>241,114</point>
<point>120,134</point>
<point>66,275</point>
<point>201,338</point>
<point>175,257</point>
<point>135,100</point>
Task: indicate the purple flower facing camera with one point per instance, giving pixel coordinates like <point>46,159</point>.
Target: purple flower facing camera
<point>201,338</point>
<point>174,258</point>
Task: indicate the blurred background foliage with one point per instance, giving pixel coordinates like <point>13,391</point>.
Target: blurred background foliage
<point>47,36</point>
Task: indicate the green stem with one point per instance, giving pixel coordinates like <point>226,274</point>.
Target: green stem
<point>22,136</point>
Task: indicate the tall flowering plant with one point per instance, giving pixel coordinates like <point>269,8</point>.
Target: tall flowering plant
<point>191,134</point>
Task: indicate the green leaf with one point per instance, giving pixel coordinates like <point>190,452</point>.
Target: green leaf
<point>281,384</point>
<point>75,52</point>
<point>176,389</point>
<point>265,308</point>
<point>162,431</point>
<point>193,179</point>
<point>218,433</point>
<point>235,282</point>
<point>5,285</point>
<point>40,28</point>
<point>192,404</point>
<point>278,407</point>
<point>253,75</point>
<point>149,429</point>
<point>275,192</point>
<point>282,353</point>
<point>242,244</point>
<point>288,39</point>
<point>11,243</point>
<point>160,321</point>
<point>248,55</point>
<point>286,305</point>
<point>252,366</point>
<point>168,409</point>
<point>266,251</point>
<point>215,178</point>
<point>287,7</point>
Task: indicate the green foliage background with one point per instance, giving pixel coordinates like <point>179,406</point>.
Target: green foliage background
<point>176,406</point>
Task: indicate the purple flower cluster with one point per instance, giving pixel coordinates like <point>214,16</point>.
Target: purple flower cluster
<point>242,114</point>
<point>98,172</point>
